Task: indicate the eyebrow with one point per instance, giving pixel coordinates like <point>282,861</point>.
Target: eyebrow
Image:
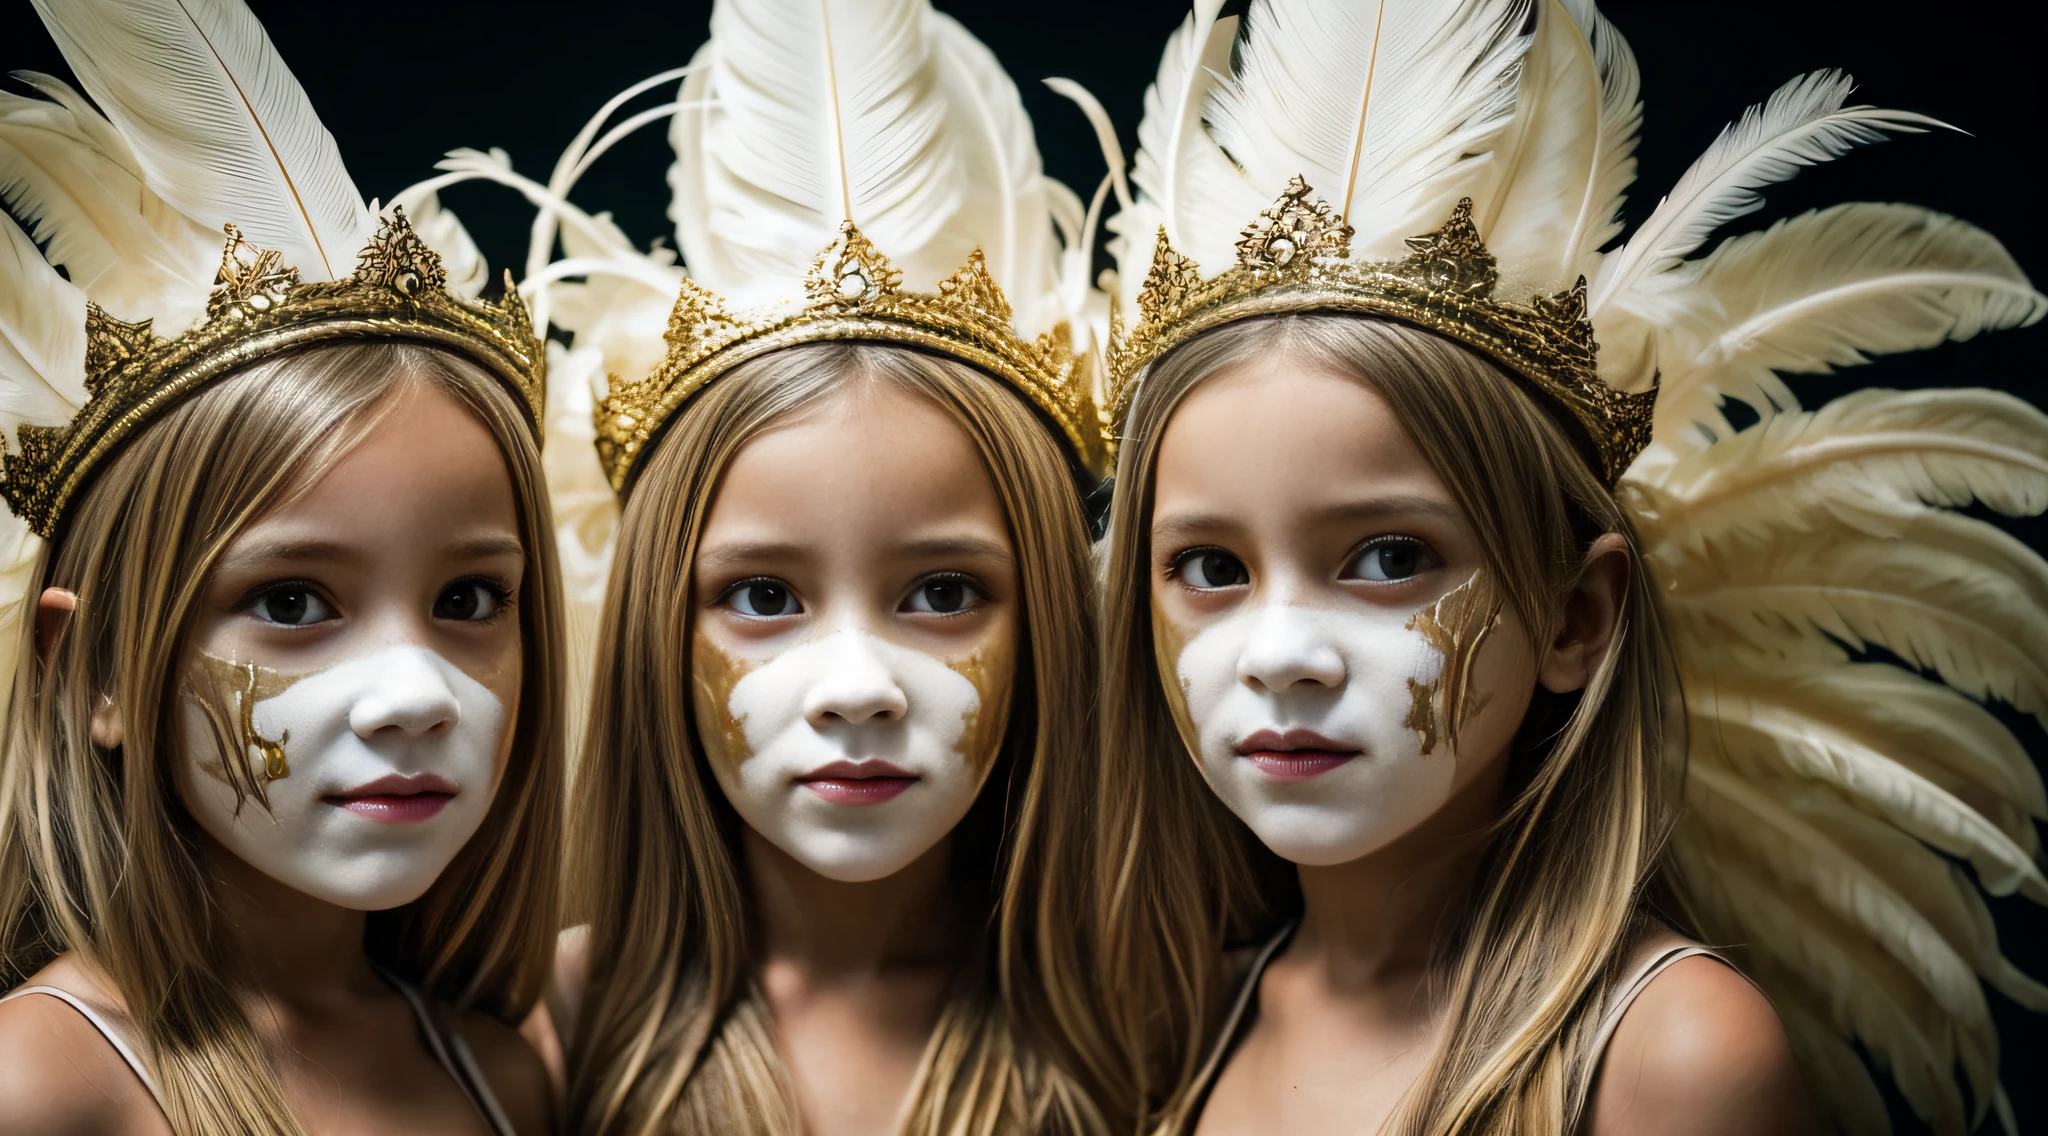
<point>489,546</point>
<point>741,552</point>
<point>293,550</point>
<point>938,546</point>
<point>1370,507</point>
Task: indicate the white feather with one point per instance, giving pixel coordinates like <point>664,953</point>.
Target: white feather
<point>1824,290</point>
<point>1803,123</point>
<point>1614,158</point>
<point>42,338</point>
<point>219,127</point>
<point>1387,108</point>
<point>821,111</point>
<point>70,177</point>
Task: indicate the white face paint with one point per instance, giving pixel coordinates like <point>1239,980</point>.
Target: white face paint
<point>849,752</point>
<point>1265,677</point>
<point>389,766</point>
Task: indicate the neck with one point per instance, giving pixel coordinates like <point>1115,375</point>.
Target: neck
<point>1378,918</point>
<point>288,945</point>
<point>832,927</point>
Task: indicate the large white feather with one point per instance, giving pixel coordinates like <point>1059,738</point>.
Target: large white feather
<point>1803,123</point>
<point>1614,159</point>
<point>1824,290</point>
<point>1387,108</point>
<point>219,127</point>
<point>70,177</point>
<point>42,337</point>
<point>821,111</point>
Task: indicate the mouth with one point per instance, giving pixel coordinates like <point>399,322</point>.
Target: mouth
<point>397,798</point>
<point>1294,755</point>
<point>858,782</point>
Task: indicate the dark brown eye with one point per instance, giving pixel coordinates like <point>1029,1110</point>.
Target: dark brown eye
<point>291,605</point>
<point>467,601</point>
<point>1391,561</point>
<point>763,599</point>
<point>1211,568</point>
<point>945,595</point>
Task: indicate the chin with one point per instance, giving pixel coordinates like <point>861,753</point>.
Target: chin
<point>1316,839</point>
<point>372,891</point>
<point>853,860</point>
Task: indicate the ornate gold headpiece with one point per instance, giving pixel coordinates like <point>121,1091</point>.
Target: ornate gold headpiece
<point>1295,258</point>
<point>258,308</point>
<point>850,293</point>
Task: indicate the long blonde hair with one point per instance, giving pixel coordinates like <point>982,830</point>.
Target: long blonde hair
<point>1591,782</point>
<point>96,855</point>
<point>673,1036</point>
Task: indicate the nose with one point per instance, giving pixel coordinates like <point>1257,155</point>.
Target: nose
<point>857,686</point>
<point>1288,647</point>
<point>410,693</point>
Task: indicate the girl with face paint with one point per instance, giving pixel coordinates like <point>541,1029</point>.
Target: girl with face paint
<point>1403,637</point>
<point>279,787</point>
<point>828,797</point>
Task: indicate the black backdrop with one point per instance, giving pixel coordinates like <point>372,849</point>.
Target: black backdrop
<point>398,85</point>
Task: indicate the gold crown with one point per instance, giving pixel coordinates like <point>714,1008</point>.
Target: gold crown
<point>259,307</point>
<point>850,293</point>
<point>1295,258</point>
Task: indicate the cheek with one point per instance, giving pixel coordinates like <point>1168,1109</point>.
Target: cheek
<point>992,669</point>
<point>1169,645</point>
<point>1501,679</point>
<point>713,674</point>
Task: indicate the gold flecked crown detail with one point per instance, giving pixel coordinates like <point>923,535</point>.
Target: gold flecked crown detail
<point>1296,258</point>
<point>259,307</point>
<point>850,293</point>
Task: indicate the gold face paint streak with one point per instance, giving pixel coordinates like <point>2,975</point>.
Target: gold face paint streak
<point>247,684</point>
<point>1168,640</point>
<point>991,667</point>
<point>274,764</point>
<point>1455,625</point>
<point>713,674</point>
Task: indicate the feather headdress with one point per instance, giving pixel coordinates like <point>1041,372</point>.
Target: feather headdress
<point>1843,816</point>
<point>860,169</point>
<point>132,300</point>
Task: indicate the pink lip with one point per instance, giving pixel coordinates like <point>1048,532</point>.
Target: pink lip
<point>1294,755</point>
<point>398,799</point>
<point>858,782</point>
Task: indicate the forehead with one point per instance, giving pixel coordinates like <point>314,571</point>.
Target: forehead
<point>1279,434</point>
<point>427,464</point>
<point>868,458</point>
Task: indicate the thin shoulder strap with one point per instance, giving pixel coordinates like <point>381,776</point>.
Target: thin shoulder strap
<point>454,1055</point>
<point>107,1030</point>
<point>1627,992</point>
<point>1226,1038</point>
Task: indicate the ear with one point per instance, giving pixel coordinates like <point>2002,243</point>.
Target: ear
<point>106,725</point>
<point>1591,615</point>
<point>53,615</point>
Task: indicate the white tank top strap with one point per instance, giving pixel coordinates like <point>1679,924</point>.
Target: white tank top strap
<point>1632,985</point>
<point>115,1035</point>
<point>454,1054</point>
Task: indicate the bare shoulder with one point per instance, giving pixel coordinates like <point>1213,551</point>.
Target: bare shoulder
<point>516,1074</point>
<point>1699,1053</point>
<point>59,1076</point>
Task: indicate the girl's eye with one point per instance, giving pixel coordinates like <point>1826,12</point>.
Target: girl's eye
<point>1391,560</point>
<point>468,601</point>
<point>762,599</point>
<point>291,605</point>
<point>945,595</point>
<point>1211,568</point>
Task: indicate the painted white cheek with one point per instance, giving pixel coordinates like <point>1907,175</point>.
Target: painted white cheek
<point>773,705</point>
<point>399,711</point>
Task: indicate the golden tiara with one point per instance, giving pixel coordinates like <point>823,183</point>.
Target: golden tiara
<point>259,307</point>
<point>1296,258</point>
<point>850,293</point>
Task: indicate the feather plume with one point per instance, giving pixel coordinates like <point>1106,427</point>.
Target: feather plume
<point>1009,206</point>
<point>1824,290</point>
<point>821,111</point>
<point>1184,181</point>
<point>1614,158</point>
<point>42,337</point>
<point>1388,109</point>
<point>70,177</point>
<point>219,127</point>
<point>1940,447</point>
<point>1803,123</point>
<point>1546,161</point>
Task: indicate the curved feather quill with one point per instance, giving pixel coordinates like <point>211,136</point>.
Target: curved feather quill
<point>219,127</point>
<point>1803,123</point>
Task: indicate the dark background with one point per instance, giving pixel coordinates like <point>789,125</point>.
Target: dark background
<point>399,85</point>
